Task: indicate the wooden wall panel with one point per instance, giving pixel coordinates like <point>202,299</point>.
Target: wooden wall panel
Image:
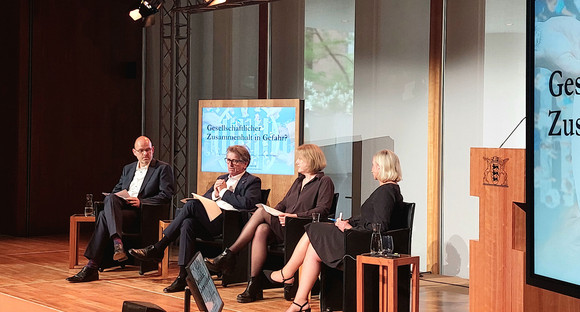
<point>85,108</point>
<point>434,148</point>
<point>86,104</point>
<point>14,92</point>
<point>540,300</point>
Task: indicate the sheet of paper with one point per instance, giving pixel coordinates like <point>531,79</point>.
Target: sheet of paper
<point>225,205</point>
<point>123,194</point>
<point>211,207</point>
<point>270,210</point>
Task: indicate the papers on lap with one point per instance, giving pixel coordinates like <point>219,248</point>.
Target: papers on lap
<point>270,210</point>
<point>213,208</point>
<point>225,205</point>
<point>121,193</point>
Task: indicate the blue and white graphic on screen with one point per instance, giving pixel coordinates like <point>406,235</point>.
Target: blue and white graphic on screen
<point>557,140</point>
<point>268,132</point>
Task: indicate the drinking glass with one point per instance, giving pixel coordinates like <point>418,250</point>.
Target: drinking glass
<point>89,210</point>
<point>376,240</point>
<point>315,217</point>
<point>388,245</point>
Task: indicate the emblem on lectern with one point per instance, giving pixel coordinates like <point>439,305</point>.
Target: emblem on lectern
<point>495,173</point>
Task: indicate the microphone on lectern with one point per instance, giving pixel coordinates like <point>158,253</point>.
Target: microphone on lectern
<point>519,123</point>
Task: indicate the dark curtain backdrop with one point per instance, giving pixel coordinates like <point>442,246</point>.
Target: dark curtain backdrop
<point>71,93</point>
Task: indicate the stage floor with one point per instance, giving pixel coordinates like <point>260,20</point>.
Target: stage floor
<point>33,272</point>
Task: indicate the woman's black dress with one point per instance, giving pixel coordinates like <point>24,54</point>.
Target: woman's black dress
<point>316,196</point>
<point>328,240</point>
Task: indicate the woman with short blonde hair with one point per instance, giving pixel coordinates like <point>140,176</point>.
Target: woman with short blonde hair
<point>389,166</point>
<point>313,155</point>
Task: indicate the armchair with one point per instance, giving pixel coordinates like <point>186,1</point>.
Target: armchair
<point>234,221</point>
<point>142,232</point>
<point>338,287</point>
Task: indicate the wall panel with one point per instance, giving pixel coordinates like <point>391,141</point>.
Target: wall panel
<point>85,109</point>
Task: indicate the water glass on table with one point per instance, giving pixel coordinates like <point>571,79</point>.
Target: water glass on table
<point>89,209</point>
<point>388,245</point>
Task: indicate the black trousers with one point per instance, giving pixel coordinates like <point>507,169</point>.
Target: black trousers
<point>117,214</point>
<point>192,222</point>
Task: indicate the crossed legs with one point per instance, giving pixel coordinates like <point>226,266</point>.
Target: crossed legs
<point>259,218</point>
<point>108,228</point>
<point>304,255</point>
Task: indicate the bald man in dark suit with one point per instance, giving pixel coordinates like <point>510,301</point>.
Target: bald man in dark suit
<point>147,181</point>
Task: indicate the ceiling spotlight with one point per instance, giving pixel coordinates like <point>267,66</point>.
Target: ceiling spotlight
<point>215,2</point>
<point>146,11</point>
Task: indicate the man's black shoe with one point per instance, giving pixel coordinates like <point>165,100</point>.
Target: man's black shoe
<point>178,285</point>
<point>148,253</point>
<point>85,275</point>
<point>119,254</point>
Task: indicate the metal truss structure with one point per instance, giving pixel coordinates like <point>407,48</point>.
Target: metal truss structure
<point>174,108</point>
<point>174,93</point>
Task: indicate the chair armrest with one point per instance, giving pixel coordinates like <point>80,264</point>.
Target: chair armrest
<point>293,231</point>
<point>232,226</point>
<point>150,216</point>
<point>356,242</point>
<point>98,206</point>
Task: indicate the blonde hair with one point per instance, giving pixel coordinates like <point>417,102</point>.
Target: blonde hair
<point>389,166</point>
<point>312,154</point>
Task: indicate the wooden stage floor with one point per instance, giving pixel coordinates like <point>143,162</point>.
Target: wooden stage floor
<point>33,272</point>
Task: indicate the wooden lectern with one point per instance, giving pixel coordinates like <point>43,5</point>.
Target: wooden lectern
<point>496,260</point>
<point>497,267</point>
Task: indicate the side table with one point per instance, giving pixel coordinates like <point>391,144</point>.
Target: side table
<point>163,267</point>
<point>388,280</point>
<point>73,240</point>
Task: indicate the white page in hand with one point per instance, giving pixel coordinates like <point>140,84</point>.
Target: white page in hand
<point>270,210</point>
<point>123,194</point>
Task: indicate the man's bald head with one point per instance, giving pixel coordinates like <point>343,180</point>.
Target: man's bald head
<point>143,150</point>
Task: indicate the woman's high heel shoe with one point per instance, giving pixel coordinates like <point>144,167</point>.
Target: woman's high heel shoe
<point>289,288</point>
<point>223,263</point>
<point>302,306</point>
<point>275,284</point>
<point>253,292</point>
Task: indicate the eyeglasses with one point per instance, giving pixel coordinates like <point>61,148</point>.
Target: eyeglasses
<point>234,161</point>
<point>141,151</point>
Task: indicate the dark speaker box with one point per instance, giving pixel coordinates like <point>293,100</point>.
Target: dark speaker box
<point>139,306</point>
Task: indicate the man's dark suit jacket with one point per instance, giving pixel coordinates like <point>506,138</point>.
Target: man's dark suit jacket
<point>158,185</point>
<point>247,194</point>
<point>157,188</point>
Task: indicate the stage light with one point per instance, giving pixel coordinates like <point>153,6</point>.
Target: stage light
<point>146,11</point>
<point>215,2</point>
